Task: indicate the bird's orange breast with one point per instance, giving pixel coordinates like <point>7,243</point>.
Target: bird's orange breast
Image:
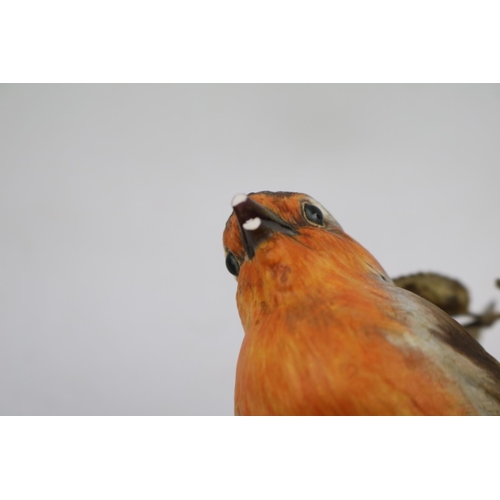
<point>317,340</point>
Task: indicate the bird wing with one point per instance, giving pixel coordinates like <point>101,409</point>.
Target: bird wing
<point>452,348</point>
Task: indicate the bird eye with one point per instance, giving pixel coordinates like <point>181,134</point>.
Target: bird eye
<point>232,264</point>
<point>313,214</point>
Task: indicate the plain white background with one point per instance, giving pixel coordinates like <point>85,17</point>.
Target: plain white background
<point>114,294</point>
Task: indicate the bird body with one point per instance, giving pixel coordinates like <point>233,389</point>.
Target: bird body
<point>328,333</point>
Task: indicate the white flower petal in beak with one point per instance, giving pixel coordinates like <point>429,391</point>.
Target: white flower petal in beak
<point>252,224</point>
<point>239,198</point>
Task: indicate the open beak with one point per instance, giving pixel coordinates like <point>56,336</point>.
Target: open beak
<point>257,223</point>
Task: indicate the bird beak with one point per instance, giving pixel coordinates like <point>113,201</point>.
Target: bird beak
<point>257,223</point>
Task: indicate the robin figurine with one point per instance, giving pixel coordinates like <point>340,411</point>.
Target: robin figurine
<point>328,333</point>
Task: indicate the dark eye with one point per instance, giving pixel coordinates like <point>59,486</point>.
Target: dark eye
<point>232,264</point>
<point>313,214</point>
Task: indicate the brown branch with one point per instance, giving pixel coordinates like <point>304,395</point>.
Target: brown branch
<point>451,296</point>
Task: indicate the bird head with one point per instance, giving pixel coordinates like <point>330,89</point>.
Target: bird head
<point>285,248</point>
